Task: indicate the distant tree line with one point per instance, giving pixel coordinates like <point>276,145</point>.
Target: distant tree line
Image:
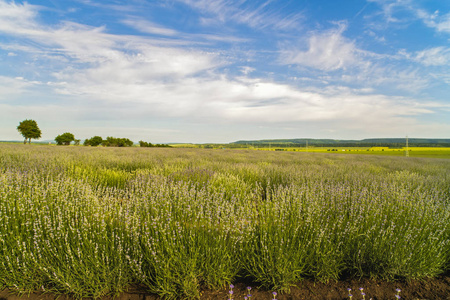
<point>109,142</point>
<point>146,144</point>
<point>381,142</point>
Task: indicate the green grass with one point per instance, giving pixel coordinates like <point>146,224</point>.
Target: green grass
<point>91,221</point>
<point>430,152</point>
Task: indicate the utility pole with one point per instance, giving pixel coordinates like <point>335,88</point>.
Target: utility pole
<point>407,151</point>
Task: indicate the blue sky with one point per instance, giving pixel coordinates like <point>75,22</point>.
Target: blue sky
<point>224,70</point>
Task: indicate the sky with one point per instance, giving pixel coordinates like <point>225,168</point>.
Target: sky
<point>217,71</point>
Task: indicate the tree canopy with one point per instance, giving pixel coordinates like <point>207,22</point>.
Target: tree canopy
<point>117,142</point>
<point>93,141</point>
<point>65,138</point>
<point>147,144</point>
<point>29,130</point>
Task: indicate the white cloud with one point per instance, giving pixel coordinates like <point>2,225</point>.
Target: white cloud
<point>341,61</point>
<point>182,37</point>
<point>327,51</point>
<point>11,13</point>
<point>435,20</point>
<point>241,100</point>
<point>12,88</point>
<point>110,53</point>
<point>247,70</point>
<point>149,27</point>
<point>438,56</point>
<point>244,12</point>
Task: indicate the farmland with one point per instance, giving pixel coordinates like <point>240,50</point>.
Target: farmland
<point>91,221</point>
<point>431,152</point>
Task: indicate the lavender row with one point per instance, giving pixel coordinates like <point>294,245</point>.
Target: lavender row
<point>95,221</point>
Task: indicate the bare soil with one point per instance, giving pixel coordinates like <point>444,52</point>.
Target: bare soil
<point>429,289</point>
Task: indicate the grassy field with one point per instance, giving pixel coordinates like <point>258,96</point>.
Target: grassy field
<point>94,221</point>
<point>431,152</point>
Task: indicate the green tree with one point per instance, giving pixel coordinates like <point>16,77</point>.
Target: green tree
<point>93,141</point>
<point>29,130</point>
<point>145,144</point>
<point>117,142</point>
<point>65,138</point>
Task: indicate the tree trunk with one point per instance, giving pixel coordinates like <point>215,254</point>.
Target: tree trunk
<point>29,141</point>
<point>25,141</point>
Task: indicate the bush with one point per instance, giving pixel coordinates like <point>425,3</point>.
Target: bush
<point>146,144</point>
<point>117,142</point>
<point>94,141</point>
<point>65,138</point>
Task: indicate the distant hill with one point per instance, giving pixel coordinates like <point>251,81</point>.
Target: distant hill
<point>32,141</point>
<point>379,142</point>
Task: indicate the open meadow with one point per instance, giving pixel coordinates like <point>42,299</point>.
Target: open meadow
<point>94,221</point>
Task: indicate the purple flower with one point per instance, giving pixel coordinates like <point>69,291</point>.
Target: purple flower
<point>249,288</point>
<point>349,289</point>
<point>398,290</point>
<point>274,293</point>
<point>230,292</point>
<point>231,286</point>
<point>397,296</point>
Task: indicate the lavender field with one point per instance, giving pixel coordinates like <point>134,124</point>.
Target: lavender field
<point>91,221</point>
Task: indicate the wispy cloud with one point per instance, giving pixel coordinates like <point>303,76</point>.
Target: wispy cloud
<point>259,16</point>
<point>327,51</point>
<point>149,27</point>
<point>392,10</point>
<point>342,61</point>
<point>437,56</point>
<point>435,20</point>
<point>11,88</point>
<point>92,45</point>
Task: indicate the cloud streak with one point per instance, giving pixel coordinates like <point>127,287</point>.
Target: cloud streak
<point>259,16</point>
<point>392,8</point>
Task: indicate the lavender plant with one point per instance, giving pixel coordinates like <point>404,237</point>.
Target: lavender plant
<point>94,221</point>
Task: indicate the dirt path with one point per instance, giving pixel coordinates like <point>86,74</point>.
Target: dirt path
<point>431,289</point>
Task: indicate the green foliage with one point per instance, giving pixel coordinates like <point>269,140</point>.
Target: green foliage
<point>65,138</point>
<point>117,142</point>
<point>93,141</point>
<point>147,144</point>
<point>94,221</point>
<point>29,130</point>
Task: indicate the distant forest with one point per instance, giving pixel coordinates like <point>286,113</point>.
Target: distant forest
<point>383,142</point>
